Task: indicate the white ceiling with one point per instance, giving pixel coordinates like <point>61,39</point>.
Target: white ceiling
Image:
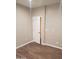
<point>36,3</point>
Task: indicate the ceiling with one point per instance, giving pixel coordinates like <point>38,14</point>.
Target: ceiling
<point>36,3</point>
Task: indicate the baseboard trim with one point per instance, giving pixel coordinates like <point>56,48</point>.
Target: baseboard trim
<point>42,44</point>
<point>51,45</point>
<point>24,44</point>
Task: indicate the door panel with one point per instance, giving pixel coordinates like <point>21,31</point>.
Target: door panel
<point>36,29</point>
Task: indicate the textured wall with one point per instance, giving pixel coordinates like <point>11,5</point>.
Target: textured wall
<point>23,25</point>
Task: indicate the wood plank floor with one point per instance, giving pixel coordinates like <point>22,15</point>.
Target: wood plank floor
<point>36,51</point>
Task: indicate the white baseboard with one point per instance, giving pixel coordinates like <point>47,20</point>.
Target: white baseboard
<point>24,44</point>
<point>37,42</point>
<point>51,45</point>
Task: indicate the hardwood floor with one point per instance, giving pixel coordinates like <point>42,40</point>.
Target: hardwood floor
<point>36,51</point>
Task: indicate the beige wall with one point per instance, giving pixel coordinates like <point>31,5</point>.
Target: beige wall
<point>23,25</point>
<point>53,25</point>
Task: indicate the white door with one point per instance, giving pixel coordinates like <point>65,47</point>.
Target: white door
<point>36,29</point>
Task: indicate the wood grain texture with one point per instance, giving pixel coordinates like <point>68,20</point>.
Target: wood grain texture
<point>36,51</point>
